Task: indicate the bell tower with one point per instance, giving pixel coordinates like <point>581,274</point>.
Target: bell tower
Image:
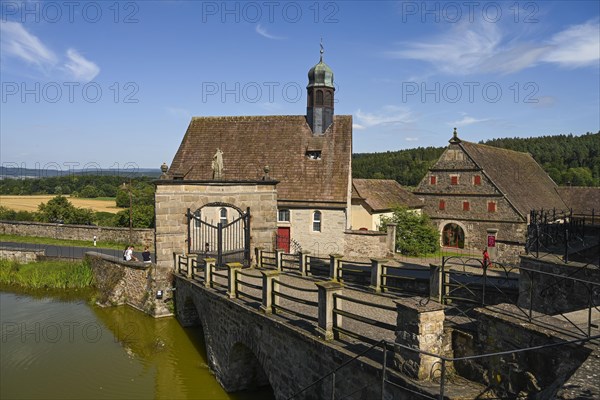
<point>320,89</point>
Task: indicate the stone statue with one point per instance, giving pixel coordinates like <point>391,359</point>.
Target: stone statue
<point>217,165</point>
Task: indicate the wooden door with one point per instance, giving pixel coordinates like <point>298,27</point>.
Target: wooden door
<point>283,239</point>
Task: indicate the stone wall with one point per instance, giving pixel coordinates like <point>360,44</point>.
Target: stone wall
<point>365,244</point>
<point>330,240</point>
<point>536,374</point>
<point>126,282</point>
<point>77,232</point>
<point>20,255</point>
<point>552,295</point>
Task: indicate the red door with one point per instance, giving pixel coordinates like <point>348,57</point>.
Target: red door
<point>283,239</point>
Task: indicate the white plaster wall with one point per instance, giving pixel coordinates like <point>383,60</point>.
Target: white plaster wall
<point>331,238</point>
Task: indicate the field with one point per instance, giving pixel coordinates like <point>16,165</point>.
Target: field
<point>30,203</point>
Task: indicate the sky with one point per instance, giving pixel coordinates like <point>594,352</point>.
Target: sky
<point>114,84</point>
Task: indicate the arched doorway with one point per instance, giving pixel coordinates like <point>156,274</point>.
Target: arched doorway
<point>453,236</point>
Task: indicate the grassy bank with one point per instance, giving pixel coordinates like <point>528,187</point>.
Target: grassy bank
<point>62,242</point>
<point>46,274</point>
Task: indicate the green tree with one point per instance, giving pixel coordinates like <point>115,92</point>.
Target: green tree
<point>89,192</point>
<point>142,216</point>
<point>415,236</point>
<point>59,209</point>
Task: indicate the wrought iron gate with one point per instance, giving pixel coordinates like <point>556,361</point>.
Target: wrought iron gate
<point>225,241</point>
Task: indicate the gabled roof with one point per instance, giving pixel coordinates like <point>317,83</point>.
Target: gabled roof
<point>517,175</point>
<point>249,143</point>
<point>581,199</point>
<point>382,195</point>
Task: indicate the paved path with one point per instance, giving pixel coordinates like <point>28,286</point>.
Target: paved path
<point>66,251</point>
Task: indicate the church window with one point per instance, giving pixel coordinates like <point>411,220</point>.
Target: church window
<point>316,225</point>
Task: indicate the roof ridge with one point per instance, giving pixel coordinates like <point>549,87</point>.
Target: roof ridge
<point>229,117</point>
<point>497,148</point>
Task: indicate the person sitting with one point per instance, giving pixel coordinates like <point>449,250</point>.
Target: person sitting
<point>146,255</point>
<point>129,254</point>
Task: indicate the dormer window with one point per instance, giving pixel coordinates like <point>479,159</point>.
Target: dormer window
<point>313,154</point>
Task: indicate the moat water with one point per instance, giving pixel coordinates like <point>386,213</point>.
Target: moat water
<point>63,348</point>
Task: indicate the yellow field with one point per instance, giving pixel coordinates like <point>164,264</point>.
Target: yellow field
<point>30,203</point>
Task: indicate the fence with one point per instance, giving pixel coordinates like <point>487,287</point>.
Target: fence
<point>563,234</point>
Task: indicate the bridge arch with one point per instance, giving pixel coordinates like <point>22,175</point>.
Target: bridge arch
<point>244,371</point>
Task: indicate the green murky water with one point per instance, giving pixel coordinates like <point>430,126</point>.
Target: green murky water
<point>63,348</point>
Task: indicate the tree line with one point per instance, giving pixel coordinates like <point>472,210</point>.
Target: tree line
<point>569,160</point>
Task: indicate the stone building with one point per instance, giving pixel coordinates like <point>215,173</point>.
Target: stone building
<point>583,201</point>
<point>480,196</point>
<point>300,166</point>
<point>373,199</point>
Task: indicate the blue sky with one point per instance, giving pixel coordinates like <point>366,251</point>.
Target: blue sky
<point>107,84</point>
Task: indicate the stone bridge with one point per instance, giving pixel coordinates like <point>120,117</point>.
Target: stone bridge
<point>269,327</point>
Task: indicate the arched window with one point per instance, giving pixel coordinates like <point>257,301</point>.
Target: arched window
<point>328,99</point>
<point>310,99</point>
<point>453,236</point>
<point>319,98</point>
<point>316,225</point>
<point>223,216</point>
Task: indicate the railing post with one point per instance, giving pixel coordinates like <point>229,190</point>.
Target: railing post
<point>391,237</point>
<point>268,277</point>
<point>335,261</point>
<point>326,305</point>
<point>190,271</point>
<point>443,379</point>
<point>232,269</point>
<point>279,259</point>
<point>376,272</point>
<point>209,264</point>
<point>259,254</point>
<point>420,327</point>
<point>304,262</point>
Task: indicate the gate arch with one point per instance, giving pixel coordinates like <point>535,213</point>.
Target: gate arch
<point>226,240</point>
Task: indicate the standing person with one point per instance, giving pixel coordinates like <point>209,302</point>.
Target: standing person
<point>95,238</point>
<point>146,255</point>
<point>486,259</point>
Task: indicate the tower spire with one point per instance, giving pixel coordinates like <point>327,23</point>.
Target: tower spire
<point>322,51</point>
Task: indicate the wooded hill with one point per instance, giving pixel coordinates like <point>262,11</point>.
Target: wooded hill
<point>567,159</point>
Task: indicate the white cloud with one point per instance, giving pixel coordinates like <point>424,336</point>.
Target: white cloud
<point>263,32</point>
<point>17,42</point>
<point>483,47</point>
<point>411,139</point>
<point>357,127</point>
<point>79,67</point>
<point>389,115</point>
<point>577,46</point>
<point>466,120</point>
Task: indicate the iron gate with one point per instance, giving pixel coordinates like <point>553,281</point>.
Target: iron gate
<point>224,241</point>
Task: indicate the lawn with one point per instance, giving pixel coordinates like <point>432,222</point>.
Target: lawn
<point>31,203</point>
<point>60,242</point>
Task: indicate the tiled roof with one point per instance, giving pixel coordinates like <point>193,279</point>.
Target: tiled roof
<point>383,194</point>
<point>249,143</point>
<point>581,199</point>
<point>526,185</point>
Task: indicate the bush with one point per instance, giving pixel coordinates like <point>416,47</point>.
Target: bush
<point>415,236</point>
